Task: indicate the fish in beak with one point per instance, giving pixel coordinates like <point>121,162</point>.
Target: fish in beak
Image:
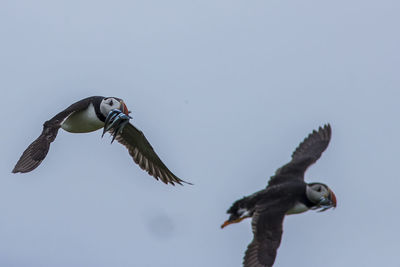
<point>116,119</point>
<point>327,202</point>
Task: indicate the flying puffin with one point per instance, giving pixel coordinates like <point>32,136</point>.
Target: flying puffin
<point>286,193</point>
<point>91,114</point>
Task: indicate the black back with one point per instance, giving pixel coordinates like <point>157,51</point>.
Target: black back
<point>37,151</point>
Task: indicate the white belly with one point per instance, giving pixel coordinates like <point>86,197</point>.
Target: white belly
<point>82,121</point>
<point>298,208</point>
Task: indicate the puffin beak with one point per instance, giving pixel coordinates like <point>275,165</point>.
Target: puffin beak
<point>228,222</point>
<point>327,202</point>
<point>124,109</point>
<point>332,198</point>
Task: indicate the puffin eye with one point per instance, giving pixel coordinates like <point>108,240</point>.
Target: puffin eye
<point>111,103</point>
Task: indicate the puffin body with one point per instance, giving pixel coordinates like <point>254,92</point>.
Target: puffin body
<point>286,194</point>
<point>298,207</point>
<point>91,114</point>
<point>83,121</point>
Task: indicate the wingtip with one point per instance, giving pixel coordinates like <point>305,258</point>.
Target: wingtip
<point>327,126</point>
<point>326,129</point>
<point>188,183</point>
<point>179,181</point>
<point>17,169</point>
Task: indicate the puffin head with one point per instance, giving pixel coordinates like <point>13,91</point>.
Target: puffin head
<point>110,103</point>
<point>239,211</point>
<point>321,195</point>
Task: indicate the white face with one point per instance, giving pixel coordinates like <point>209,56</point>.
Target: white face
<point>323,190</point>
<point>108,104</point>
<point>316,191</point>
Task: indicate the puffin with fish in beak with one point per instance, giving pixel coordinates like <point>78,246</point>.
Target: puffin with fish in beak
<point>91,114</point>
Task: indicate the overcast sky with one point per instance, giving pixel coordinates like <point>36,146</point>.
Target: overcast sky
<point>224,90</point>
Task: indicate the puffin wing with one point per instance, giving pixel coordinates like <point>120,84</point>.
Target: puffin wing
<point>306,154</point>
<point>144,155</point>
<point>37,151</point>
<point>267,233</point>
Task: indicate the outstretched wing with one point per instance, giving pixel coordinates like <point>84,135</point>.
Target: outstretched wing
<point>267,230</point>
<point>144,155</point>
<point>37,151</point>
<point>307,153</point>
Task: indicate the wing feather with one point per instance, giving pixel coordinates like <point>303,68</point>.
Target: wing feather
<point>144,155</point>
<point>306,154</point>
<point>267,233</point>
<point>38,149</point>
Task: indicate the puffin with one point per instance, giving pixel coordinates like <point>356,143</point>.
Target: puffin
<point>286,193</point>
<point>91,114</point>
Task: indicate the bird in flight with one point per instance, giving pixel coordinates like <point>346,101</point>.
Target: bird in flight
<point>286,193</point>
<point>91,114</point>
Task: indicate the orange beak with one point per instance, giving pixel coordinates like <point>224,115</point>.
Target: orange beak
<point>228,222</point>
<point>333,198</point>
<point>124,108</point>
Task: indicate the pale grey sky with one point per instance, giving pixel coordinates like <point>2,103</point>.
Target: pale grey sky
<point>224,90</point>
